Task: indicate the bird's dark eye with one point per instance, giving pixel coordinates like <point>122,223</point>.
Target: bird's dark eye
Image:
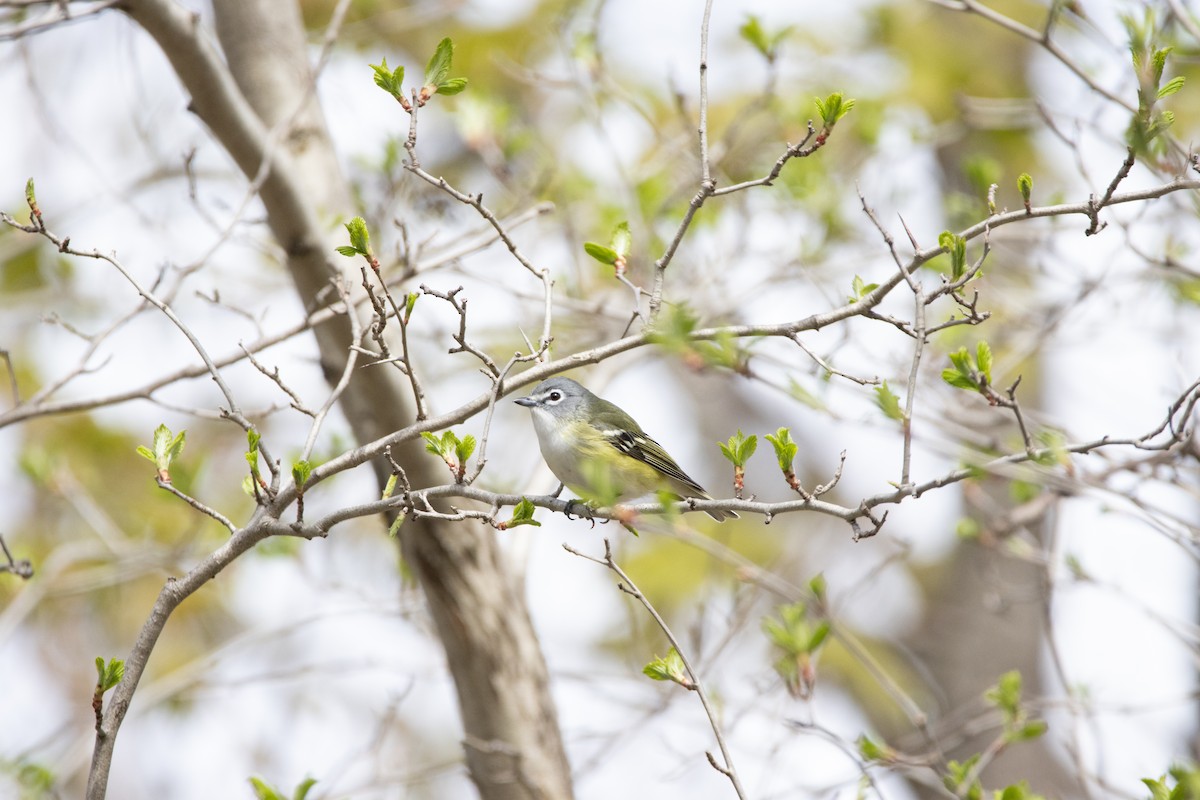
<point>554,396</point>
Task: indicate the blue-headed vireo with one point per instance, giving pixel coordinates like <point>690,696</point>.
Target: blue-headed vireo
<point>598,451</point>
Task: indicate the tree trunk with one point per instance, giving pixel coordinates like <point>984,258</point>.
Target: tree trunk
<point>513,744</point>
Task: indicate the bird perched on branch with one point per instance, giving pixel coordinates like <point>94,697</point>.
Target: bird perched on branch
<point>599,452</point>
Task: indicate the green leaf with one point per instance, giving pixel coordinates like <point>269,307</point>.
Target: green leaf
<point>1028,731</point>
<point>1171,87</point>
<point>859,289</point>
<point>622,240</point>
<point>797,391</point>
<point>162,441</point>
<point>303,788</point>
<point>956,777</point>
<point>176,447</point>
<point>264,791</point>
<point>464,448</point>
<point>1025,185</point>
<point>1158,788</point>
<point>785,448</point>
<point>109,674</point>
<point>833,108</point>
<point>30,195</point>
<point>301,472</point>
<point>871,750</point>
<point>888,402</point>
<point>410,302</point>
<point>817,586</point>
<point>983,359</point>
<point>958,380</point>
<point>145,453</point>
<point>739,448</point>
<point>523,515</point>
<point>967,528</point>
<point>394,528</point>
<point>752,31</point>
<point>390,82</point>
<point>390,486</point>
<point>794,632</point>
<point>433,444</point>
<point>438,68</point>
<point>956,247</point>
<point>1006,694</point>
<point>360,238</point>
<point>668,668</point>
<point>347,251</point>
<point>818,636</point>
<point>605,255</point>
<point>962,376</point>
<point>452,86</point>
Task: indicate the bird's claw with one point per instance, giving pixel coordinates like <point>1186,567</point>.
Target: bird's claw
<point>586,513</point>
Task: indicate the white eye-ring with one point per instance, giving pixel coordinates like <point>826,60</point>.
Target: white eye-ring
<point>554,396</point>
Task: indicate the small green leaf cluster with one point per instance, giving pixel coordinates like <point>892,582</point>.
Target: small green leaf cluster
<point>739,448</point>
<point>962,778</point>
<point>799,635</point>
<point>437,77</point>
<point>672,332</point>
<point>360,239</point>
<point>767,44</point>
<point>971,373</point>
<point>832,109</point>
<point>1149,62</point>
<point>669,668</point>
<point>871,750</point>
<point>451,449</point>
<point>522,515</point>
<point>785,449</point>
<point>264,791</point>
<point>859,289</point>
<point>1006,697</point>
<point>615,253</point>
<point>254,481</point>
<point>956,247</point>
<point>1025,187</point>
<point>301,472</point>
<point>166,448</point>
<point>1187,784</point>
<point>108,674</point>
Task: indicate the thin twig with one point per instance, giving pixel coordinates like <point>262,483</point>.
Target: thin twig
<point>629,587</point>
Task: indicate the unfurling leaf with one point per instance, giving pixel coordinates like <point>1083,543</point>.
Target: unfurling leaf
<point>668,668</point>
<point>605,255</point>
<point>108,674</point>
<point>739,448</point>
<point>833,108</point>
<point>438,68</point>
<point>785,448</point>
<point>522,515</point>
<point>390,82</point>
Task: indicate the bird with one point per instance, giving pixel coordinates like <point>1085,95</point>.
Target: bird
<point>600,452</point>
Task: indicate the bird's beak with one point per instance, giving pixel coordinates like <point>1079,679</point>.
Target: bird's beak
<point>528,402</point>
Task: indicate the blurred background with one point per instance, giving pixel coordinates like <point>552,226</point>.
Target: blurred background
<point>319,659</point>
